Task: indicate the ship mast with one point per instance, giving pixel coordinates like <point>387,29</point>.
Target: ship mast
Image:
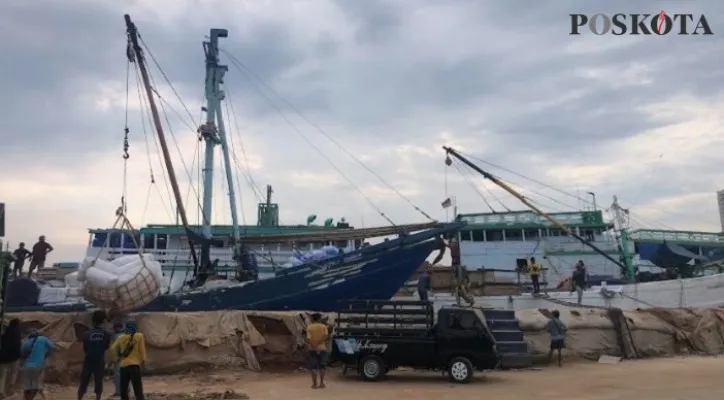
<point>213,131</point>
<point>535,209</point>
<point>620,226</point>
<point>137,57</point>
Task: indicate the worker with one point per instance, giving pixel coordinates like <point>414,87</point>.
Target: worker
<point>40,253</point>
<point>35,350</point>
<point>317,334</point>
<point>534,272</point>
<point>579,281</point>
<point>10,353</point>
<point>423,282</point>
<point>119,329</point>
<point>557,330</point>
<point>96,342</point>
<point>19,256</point>
<point>462,285</point>
<point>441,247</point>
<point>454,246</point>
<point>460,273</point>
<point>130,350</point>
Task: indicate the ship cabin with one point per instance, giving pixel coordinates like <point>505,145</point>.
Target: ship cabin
<point>495,241</point>
<point>170,245</point>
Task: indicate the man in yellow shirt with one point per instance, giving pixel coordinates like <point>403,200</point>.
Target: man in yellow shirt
<point>130,350</point>
<point>317,335</point>
<point>534,271</point>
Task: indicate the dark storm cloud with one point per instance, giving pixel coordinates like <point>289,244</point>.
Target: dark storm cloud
<point>62,49</point>
<point>400,82</point>
<point>59,48</point>
<point>376,21</point>
<point>53,51</point>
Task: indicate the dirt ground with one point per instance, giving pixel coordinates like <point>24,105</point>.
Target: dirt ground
<point>687,378</point>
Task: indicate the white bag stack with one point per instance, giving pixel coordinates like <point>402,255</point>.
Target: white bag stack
<point>124,284</point>
<point>71,280</point>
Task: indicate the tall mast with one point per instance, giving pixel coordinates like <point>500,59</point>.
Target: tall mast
<point>620,226</point>
<point>535,209</point>
<point>214,132</point>
<point>140,61</point>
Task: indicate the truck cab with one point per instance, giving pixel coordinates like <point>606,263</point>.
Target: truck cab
<point>375,337</point>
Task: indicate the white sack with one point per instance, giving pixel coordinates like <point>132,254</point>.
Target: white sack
<point>83,267</point>
<point>126,283</point>
<point>71,280</point>
<point>123,261</point>
<point>96,277</point>
<point>51,295</point>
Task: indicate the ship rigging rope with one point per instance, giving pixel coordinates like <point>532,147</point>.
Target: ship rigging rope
<point>163,104</point>
<point>577,197</point>
<point>244,70</point>
<point>124,225</point>
<point>320,152</point>
<point>146,118</point>
<point>168,81</point>
<point>243,166</point>
<point>519,188</point>
<point>568,207</point>
<point>475,188</point>
<point>178,148</point>
<point>236,162</point>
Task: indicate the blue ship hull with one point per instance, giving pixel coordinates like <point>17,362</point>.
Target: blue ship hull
<point>376,272</point>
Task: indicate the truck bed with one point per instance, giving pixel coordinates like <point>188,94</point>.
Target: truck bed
<point>385,318</point>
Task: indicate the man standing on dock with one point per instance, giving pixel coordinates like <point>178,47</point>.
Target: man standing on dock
<point>534,272</point>
<point>423,282</point>
<point>317,334</point>
<point>130,350</point>
<point>579,281</point>
<point>35,351</point>
<point>557,330</point>
<point>96,342</point>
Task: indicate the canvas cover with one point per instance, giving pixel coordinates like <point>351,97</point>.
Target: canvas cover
<point>255,340</point>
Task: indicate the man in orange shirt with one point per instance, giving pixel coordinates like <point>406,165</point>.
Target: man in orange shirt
<point>317,335</point>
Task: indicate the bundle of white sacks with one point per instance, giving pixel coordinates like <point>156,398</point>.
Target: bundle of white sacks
<point>123,284</point>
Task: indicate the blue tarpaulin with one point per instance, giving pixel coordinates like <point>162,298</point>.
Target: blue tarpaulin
<point>670,255</point>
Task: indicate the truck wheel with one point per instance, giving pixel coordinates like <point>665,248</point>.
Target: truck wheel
<point>460,370</point>
<point>371,368</point>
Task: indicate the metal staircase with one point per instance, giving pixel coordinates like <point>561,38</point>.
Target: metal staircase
<point>510,340</point>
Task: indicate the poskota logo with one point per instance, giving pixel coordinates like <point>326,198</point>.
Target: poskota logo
<point>661,24</point>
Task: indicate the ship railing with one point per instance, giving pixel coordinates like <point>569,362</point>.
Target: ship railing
<point>676,236</point>
<point>559,247</point>
<point>181,258</point>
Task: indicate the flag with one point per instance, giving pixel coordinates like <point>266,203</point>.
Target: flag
<point>447,203</point>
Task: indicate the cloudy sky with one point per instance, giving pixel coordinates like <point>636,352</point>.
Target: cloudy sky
<point>390,81</point>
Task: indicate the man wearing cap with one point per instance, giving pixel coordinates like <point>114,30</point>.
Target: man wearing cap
<point>130,349</point>
<point>35,351</point>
